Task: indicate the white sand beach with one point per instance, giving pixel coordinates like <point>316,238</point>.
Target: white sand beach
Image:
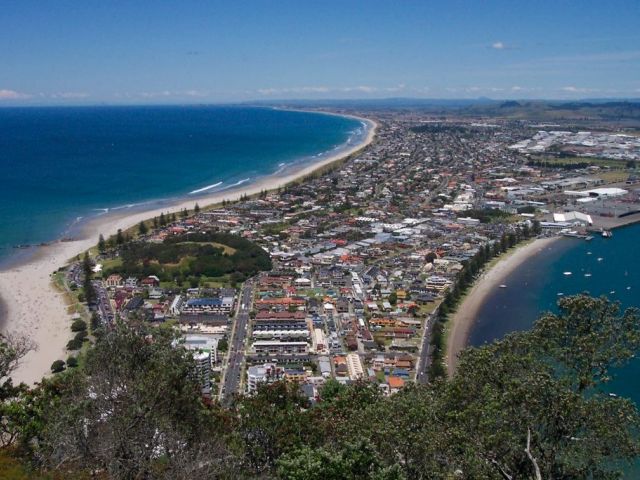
<point>462,320</point>
<point>37,310</point>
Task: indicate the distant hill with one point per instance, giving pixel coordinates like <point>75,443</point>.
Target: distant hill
<point>510,104</point>
<point>625,112</point>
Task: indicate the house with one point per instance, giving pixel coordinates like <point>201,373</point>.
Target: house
<point>114,280</point>
<point>151,281</point>
<point>395,384</point>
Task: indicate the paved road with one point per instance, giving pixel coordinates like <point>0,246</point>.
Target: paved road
<point>425,351</point>
<point>231,380</point>
<point>103,304</point>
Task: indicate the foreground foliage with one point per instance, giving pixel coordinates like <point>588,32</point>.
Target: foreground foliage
<point>531,406</point>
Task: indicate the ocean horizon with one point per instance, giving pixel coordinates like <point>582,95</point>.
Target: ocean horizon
<point>64,166</point>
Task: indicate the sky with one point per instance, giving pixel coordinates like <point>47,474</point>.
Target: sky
<point>138,52</point>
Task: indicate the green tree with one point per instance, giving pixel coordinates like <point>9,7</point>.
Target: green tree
<point>87,286</point>
<point>196,209</point>
<point>393,298</point>
<point>74,344</point>
<point>136,414</point>
<point>119,237</point>
<point>102,245</point>
<point>78,325</point>
<point>354,461</point>
<point>57,366</point>
<point>142,228</point>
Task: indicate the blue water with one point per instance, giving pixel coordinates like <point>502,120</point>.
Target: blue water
<point>60,164</point>
<point>614,269</point>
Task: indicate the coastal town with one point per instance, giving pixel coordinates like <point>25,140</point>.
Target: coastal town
<point>365,252</point>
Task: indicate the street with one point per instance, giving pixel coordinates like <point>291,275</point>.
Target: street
<point>233,370</point>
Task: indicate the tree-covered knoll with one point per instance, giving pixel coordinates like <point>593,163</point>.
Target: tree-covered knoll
<point>192,255</point>
<point>531,406</point>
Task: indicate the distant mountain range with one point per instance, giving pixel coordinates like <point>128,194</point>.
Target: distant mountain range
<point>625,112</point>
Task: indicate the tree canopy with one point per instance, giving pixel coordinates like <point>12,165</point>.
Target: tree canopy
<point>530,406</point>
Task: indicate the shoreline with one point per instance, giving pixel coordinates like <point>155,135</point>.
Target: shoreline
<point>464,317</point>
<point>34,308</point>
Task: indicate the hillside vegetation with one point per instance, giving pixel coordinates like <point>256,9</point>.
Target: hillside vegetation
<point>531,406</point>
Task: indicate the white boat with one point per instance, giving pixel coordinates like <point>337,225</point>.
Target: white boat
<point>600,259</point>
<point>567,273</point>
<point>503,286</point>
<point>587,274</point>
<point>607,234</point>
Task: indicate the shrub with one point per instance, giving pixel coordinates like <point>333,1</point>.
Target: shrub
<point>74,344</point>
<point>57,366</point>
<point>78,325</point>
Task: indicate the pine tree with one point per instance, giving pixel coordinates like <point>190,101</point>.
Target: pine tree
<point>196,209</point>
<point>142,228</point>
<point>102,245</point>
<point>119,237</point>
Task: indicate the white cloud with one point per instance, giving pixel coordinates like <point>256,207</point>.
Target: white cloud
<point>69,95</point>
<point>360,88</point>
<point>171,94</point>
<point>398,88</point>
<point>324,89</point>
<point>498,46</point>
<point>280,91</point>
<point>574,89</point>
<point>6,94</point>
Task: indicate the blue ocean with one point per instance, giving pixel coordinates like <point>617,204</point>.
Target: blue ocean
<point>609,267</point>
<point>61,166</point>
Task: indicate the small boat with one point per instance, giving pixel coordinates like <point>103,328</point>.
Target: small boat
<point>503,286</point>
<point>560,294</point>
<point>589,253</point>
<point>607,234</point>
<point>628,288</point>
<point>567,273</point>
<point>587,274</point>
<point>600,259</point>
<point>612,292</point>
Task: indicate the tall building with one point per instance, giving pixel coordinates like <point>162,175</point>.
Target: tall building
<point>354,366</point>
<point>203,370</point>
<point>259,374</point>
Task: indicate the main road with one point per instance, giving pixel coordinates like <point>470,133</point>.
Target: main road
<point>233,370</point>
